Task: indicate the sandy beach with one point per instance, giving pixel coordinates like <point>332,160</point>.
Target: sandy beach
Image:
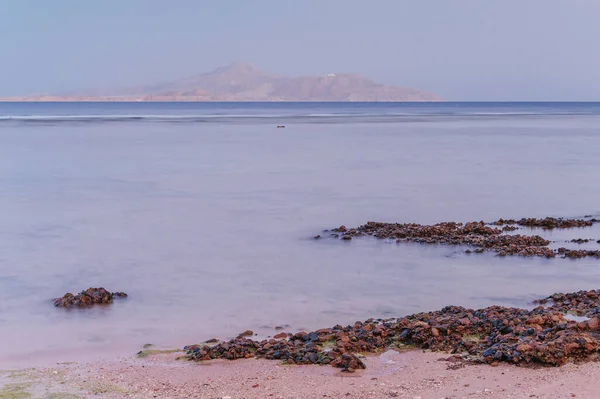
<point>299,199</point>
<point>413,374</point>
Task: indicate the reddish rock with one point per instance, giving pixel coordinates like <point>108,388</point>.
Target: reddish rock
<point>554,223</point>
<point>89,297</point>
<point>542,336</point>
<point>477,234</point>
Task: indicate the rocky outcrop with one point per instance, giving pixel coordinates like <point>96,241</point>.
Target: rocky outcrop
<point>548,223</point>
<point>542,336</point>
<point>89,297</point>
<point>480,235</point>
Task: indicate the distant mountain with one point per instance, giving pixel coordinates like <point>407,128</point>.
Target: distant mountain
<point>243,82</point>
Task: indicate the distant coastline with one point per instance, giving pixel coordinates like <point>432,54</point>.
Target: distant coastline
<point>240,82</point>
<point>55,99</point>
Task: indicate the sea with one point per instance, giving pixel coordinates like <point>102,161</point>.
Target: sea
<point>205,213</point>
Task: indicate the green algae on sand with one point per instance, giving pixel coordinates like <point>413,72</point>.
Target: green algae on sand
<point>151,352</point>
<point>15,391</point>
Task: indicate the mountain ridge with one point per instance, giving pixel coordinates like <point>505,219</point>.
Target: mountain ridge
<point>244,82</point>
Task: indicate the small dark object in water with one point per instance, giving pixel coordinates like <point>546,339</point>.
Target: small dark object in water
<point>280,126</point>
<point>580,240</point>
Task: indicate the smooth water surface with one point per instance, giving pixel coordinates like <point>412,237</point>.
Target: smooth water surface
<point>204,214</point>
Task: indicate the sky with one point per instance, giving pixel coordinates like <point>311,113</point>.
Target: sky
<point>462,50</point>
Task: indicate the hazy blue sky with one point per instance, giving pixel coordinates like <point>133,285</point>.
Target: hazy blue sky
<point>459,49</point>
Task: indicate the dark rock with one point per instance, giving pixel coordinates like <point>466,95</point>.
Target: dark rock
<point>551,223</point>
<point>580,240</point>
<point>541,336</point>
<point>489,352</point>
<point>313,336</point>
<point>476,234</point>
<point>580,253</point>
<point>89,297</point>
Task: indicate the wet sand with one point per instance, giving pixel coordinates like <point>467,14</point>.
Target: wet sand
<point>413,374</point>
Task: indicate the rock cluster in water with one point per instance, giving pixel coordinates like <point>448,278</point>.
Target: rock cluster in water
<point>548,223</point>
<point>578,253</point>
<point>482,236</point>
<point>542,336</point>
<point>582,303</point>
<point>89,297</point>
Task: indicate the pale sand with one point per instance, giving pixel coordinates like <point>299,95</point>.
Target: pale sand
<point>402,375</point>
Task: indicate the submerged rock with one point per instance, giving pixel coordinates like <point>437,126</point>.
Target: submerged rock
<point>580,240</point>
<point>580,253</point>
<point>547,223</point>
<point>89,297</point>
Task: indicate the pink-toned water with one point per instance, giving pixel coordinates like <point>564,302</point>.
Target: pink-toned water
<point>208,225</point>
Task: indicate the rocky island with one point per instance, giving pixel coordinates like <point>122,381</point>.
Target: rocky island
<point>242,82</point>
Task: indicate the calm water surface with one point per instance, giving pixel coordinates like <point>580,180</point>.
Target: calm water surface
<point>204,214</point>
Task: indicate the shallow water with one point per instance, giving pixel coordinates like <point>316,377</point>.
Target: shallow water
<point>208,224</point>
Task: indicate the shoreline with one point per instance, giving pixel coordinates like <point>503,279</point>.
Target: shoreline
<point>411,374</point>
<point>453,344</point>
<point>397,370</point>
